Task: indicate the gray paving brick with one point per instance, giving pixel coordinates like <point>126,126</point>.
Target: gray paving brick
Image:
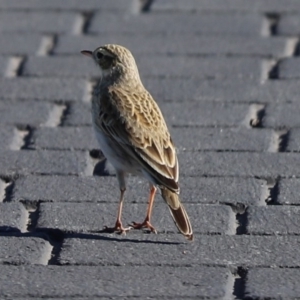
<point>45,162</point>
<point>29,112</point>
<point>293,140</point>
<point>151,44</point>
<point>44,22</point>
<point>190,139</point>
<point>19,44</point>
<point>64,138</point>
<point>273,220</point>
<point>282,115</point>
<point>179,89</point>
<point>24,250</point>
<point>231,139</point>
<point>6,137</point>
<point>64,5</point>
<point>263,165</point>
<point>289,25</point>
<point>42,88</point>
<point>246,24</point>
<point>165,66</point>
<point>289,191</point>
<point>79,281</point>
<point>289,68</point>
<point>205,250</point>
<point>227,5</point>
<point>96,189</point>
<point>79,114</point>
<point>275,283</point>
<point>13,217</point>
<point>4,63</point>
<point>90,217</point>
<point>178,114</point>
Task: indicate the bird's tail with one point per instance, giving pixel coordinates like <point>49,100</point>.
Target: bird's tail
<point>178,213</point>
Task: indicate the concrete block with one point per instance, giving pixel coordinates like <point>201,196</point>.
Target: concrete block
<point>13,217</point>
<point>273,220</point>
<point>91,217</point>
<point>23,250</point>
<point>59,89</point>
<point>87,281</point>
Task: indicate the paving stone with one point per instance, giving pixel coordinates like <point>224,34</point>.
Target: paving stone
<point>293,140</point>
<point>178,89</point>
<point>273,283</point>
<point>24,113</point>
<point>205,250</point>
<point>263,6</point>
<point>229,24</point>
<point>44,22</point>
<point>155,44</point>
<point>24,250</point>
<point>190,139</point>
<point>282,116</point>
<point>79,281</point>
<point>13,217</point>
<point>19,44</point>
<point>186,139</point>
<point>178,114</point>
<point>289,25</point>
<point>288,191</point>
<point>4,63</point>
<point>79,114</point>
<point>164,66</point>
<point>263,165</point>
<point>105,189</point>
<point>42,88</point>
<point>289,68</point>
<point>45,162</point>
<point>226,139</point>
<point>6,137</point>
<point>90,217</point>
<point>82,138</point>
<point>64,5</point>
<point>273,220</point>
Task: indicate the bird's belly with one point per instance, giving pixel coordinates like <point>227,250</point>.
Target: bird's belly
<point>116,155</point>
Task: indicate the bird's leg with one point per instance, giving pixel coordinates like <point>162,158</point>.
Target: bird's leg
<point>146,223</point>
<point>118,226</point>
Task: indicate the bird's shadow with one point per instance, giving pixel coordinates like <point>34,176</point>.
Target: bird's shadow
<point>57,235</point>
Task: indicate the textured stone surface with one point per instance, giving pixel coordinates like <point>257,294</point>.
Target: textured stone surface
<point>172,23</point>
<point>212,250</point>
<point>13,217</point>
<point>24,250</point>
<point>289,191</point>
<point>226,76</point>
<point>152,44</point>
<point>42,162</point>
<point>273,220</point>
<point>90,217</point>
<point>274,283</point>
<point>42,89</point>
<point>93,189</point>
<point>56,281</point>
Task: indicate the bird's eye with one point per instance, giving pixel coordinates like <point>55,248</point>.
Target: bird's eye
<point>99,55</point>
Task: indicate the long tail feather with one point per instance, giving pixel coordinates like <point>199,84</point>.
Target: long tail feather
<point>178,213</point>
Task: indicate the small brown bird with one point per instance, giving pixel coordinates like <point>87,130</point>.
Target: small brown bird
<point>133,135</point>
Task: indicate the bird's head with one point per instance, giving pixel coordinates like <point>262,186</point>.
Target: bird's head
<point>114,60</point>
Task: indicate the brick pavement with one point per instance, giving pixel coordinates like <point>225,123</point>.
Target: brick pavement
<point>226,76</point>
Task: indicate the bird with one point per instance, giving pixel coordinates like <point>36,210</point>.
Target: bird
<point>133,135</point>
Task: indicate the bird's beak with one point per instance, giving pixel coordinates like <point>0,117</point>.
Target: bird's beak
<point>87,53</point>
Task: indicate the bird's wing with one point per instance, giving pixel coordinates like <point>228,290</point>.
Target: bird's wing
<point>135,121</point>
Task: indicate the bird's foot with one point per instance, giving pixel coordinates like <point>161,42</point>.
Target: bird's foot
<point>145,224</point>
<point>118,228</point>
